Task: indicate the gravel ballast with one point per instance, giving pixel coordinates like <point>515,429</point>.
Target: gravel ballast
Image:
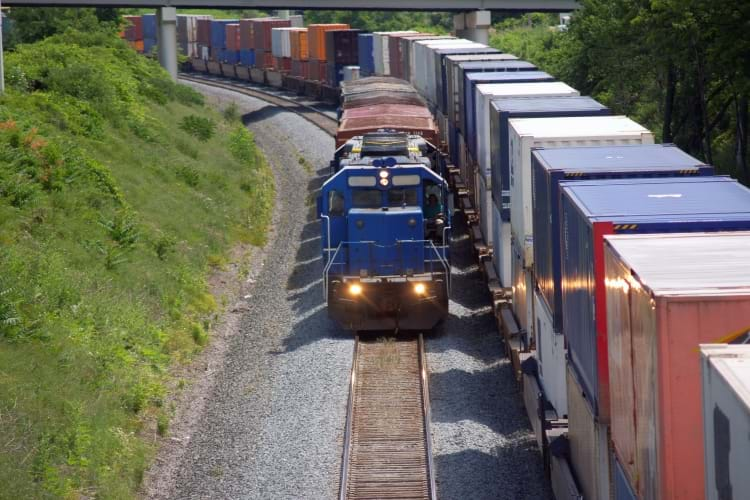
<point>483,446</point>
<point>268,418</point>
<point>273,419</point>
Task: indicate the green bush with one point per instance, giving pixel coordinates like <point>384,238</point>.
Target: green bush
<point>200,127</point>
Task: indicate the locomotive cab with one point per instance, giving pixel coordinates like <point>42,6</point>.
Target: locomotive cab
<point>385,233</point>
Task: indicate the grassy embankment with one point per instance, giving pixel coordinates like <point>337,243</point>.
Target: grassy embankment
<point>119,191</point>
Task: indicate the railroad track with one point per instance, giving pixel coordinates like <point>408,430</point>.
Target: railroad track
<point>387,443</point>
<point>315,116</point>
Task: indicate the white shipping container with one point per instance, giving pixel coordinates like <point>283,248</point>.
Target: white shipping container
<point>276,42</point>
<point>550,354</point>
<point>418,60</point>
<point>431,62</point>
<point>589,443</point>
<point>500,256</point>
<point>726,420</point>
<point>351,73</point>
<point>523,292</point>
<point>484,204</point>
<point>485,92</point>
<point>528,133</point>
<point>381,51</point>
<point>455,79</point>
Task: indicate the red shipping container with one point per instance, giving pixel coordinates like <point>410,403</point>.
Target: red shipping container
<point>203,36</point>
<point>247,33</point>
<point>264,60</point>
<point>232,41</point>
<point>667,294</point>
<point>133,28</point>
<point>283,63</point>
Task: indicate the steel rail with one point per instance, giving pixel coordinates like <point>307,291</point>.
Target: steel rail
<point>315,116</point>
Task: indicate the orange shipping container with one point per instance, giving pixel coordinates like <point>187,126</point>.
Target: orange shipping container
<point>300,47</point>
<point>137,45</point>
<point>316,38</point>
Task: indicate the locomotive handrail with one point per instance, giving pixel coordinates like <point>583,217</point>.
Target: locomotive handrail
<point>328,233</point>
<point>429,244</point>
<point>442,261</point>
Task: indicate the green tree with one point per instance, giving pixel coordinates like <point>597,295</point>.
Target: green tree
<point>30,24</point>
<point>680,67</point>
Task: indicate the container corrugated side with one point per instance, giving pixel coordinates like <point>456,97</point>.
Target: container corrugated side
<point>366,56</point>
<point>528,133</point>
<point>592,209</point>
<point>422,61</point>
<point>661,306</point>
<point>455,80</point>
<point>501,257</point>
<point>726,420</point>
<point>440,86</point>
<point>589,442</point>
<point>466,94</point>
<point>550,167</point>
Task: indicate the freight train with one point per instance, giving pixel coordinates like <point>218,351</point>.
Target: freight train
<point>610,259</point>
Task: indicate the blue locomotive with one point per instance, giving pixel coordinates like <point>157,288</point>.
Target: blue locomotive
<point>385,229</point>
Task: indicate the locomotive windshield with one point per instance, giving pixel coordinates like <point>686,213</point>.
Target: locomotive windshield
<point>367,198</point>
<point>402,197</point>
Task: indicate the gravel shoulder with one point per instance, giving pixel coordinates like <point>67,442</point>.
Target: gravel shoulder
<point>483,445</point>
<point>266,418</point>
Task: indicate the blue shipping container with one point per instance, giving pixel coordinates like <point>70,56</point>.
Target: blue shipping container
<point>150,26</point>
<point>467,67</point>
<point>592,209</point>
<point>218,32</point>
<point>148,45</point>
<point>552,166</point>
<point>441,71</point>
<point>366,55</point>
<point>504,109</point>
<point>471,80</point>
<point>623,490</point>
<point>230,56</point>
<point>247,57</point>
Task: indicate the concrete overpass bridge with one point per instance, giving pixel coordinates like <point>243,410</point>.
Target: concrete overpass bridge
<point>471,19</point>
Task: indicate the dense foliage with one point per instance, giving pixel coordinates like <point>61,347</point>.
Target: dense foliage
<point>111,218</point>
<point>680,67</point>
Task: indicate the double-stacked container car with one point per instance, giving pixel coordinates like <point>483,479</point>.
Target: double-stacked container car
<point>602,322</point>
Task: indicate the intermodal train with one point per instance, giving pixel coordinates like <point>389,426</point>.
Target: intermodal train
<point>610,259</point>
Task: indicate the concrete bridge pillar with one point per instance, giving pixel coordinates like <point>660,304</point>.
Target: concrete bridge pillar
<point>474,25</point>
<point>167,39</point>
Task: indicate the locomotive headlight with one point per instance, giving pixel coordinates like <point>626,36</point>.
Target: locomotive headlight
<point>420,289</point>
<point>384,181</point>
<point>384,174</point>
<point>355,289</point>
